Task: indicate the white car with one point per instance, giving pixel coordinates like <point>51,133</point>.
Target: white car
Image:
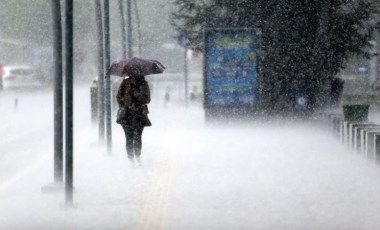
<point>21,77</point>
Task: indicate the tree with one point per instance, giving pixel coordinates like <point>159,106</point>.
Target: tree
<point>304,43</point>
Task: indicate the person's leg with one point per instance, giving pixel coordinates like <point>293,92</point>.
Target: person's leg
<point>129,141</point>
<point>138,141</point>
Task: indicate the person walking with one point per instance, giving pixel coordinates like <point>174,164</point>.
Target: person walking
<point>133,96</point>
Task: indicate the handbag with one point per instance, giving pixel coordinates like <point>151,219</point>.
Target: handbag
<point>146,121</point>
<point>122,115</point>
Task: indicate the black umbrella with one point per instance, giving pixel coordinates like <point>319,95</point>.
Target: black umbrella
<point>135,67</point>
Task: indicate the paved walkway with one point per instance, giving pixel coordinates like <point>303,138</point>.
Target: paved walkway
<point>195,176</point>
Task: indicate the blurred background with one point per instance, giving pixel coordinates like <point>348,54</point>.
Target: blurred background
<point>26,37</point>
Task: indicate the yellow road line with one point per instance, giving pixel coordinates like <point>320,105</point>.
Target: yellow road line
<point>154,209</point>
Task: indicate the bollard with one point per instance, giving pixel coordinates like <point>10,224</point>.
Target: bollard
<point>16,103</point>
<point>94,102</point>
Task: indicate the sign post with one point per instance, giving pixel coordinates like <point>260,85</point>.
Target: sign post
<point>182,41</point>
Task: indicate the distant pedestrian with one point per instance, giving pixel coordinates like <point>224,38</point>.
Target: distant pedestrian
<point>167,96</point>
<point>133,96</point>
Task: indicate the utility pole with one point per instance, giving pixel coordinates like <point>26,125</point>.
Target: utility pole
<point>101,100</point>
<point>69,9</point>
<point>107,77</point>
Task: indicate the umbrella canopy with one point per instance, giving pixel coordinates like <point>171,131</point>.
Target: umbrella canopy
<point>135,67</point>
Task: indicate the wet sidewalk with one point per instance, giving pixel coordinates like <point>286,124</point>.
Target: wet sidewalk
<point>196,176</point>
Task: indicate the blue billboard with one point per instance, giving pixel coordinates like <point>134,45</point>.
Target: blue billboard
<point>230,68</point>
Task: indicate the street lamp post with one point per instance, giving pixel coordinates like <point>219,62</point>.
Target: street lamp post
<point>107,79</point>
<point>58,92</point>
<point>101,112</point>
<point>69,9</point>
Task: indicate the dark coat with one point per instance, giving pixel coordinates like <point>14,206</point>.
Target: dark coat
<point>134,95</point>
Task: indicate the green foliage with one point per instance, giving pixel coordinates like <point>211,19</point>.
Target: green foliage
<point>304,42</point>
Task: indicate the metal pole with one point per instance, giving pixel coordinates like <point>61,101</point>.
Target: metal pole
<point>123,32</point>
<point>69,101</point>
<point>138,25</point>
<point>58,92</point>
<point>107,78</point>
<point>373,63</point>
<point>1,78</point>
<point>101,111</point>
<point>129,25</point>
<point>186,75</point>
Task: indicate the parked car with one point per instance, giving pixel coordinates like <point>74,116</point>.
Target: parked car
<point>21,77</point>
<point>1,76</point>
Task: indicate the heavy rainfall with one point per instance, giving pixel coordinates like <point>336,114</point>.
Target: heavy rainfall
<point>212,114</point>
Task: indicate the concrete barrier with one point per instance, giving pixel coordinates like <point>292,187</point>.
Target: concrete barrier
<point>377,148</point>
<point>351,128</point>
<point>356,135</point>
<point>371,144</point>
<point>363,137</point>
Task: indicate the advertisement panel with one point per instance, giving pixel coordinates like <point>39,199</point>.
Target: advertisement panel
<point>230,68</point>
